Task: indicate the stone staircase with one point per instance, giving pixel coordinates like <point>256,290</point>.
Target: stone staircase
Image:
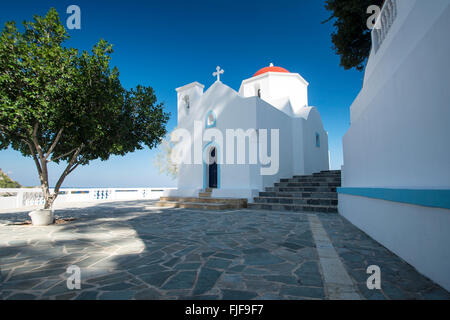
<point>313,193</point>
<point>204,201</point>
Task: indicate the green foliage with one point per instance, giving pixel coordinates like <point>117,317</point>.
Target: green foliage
<point>7,182</point>
<point>59,104</point>
<point>351,40</point>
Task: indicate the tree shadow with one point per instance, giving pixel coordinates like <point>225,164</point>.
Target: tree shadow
<point>134,250</point>
<point>119,255</point>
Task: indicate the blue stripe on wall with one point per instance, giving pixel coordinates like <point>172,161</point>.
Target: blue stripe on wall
<point>420,197</point>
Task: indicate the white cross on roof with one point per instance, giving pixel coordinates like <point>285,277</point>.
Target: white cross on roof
<point>218,73</point>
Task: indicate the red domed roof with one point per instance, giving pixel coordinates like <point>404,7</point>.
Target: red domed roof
<point>270,69</point>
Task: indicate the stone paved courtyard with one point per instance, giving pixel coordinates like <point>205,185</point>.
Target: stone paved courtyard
<point>133,250</point>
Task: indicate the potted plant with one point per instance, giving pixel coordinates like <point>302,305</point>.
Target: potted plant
<point>42,217</point>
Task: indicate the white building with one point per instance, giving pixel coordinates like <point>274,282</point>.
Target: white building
<point>273,98</point>
<point>396,173</point>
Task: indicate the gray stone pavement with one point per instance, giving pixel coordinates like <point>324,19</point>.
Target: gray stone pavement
<point>133,250</point>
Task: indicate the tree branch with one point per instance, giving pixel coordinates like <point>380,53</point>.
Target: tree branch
<point>36,142</point>
<point>70,167</point>
<point>62,156</point>
<point>33,154</point>
<point>73,168</point>
<point>55,142</point>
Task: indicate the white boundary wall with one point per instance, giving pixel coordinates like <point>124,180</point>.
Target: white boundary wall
<point>399,138</point>
<point>34,197</point>
<point>420,235</point>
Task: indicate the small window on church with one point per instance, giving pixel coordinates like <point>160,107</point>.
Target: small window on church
<point>259,93</point>
<point>210,120</point>
<point>186,102</point>
<point>317,140</point>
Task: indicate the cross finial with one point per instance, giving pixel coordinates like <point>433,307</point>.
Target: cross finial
<point>218,73</point>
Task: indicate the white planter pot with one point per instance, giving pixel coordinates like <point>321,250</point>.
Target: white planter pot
<point>42,217</point>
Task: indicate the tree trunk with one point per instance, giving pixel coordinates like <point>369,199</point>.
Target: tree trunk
<point>41,160</point>
<point>48,196</point>
<point>49,200</point>
<point>72,165</point>
<point>48,203</point>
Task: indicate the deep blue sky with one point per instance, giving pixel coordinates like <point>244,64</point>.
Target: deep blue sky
<point>166,44</point>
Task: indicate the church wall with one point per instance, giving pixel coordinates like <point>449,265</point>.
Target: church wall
<point>251,87</point>
<point>315,155</point>
<point>278,86</point>
<point>238,114</point>
<point>189,176</point>
<point>269,117</point>
<point>289,86</point>
<point>298,146</point>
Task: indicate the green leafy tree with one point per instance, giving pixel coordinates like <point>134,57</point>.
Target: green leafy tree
<point>351,40</point>
<point>61,105</point>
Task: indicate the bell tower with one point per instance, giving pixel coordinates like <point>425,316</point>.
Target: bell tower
<point>187,97</point>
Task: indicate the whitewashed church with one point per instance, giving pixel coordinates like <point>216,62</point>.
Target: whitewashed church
<point>273,98</point>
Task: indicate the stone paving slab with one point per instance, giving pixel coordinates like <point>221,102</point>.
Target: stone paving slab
<point>338,284</point>
<point>357,251</point>
<point>133,250</point>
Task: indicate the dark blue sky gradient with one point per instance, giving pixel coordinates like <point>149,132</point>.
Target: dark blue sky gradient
<point>167,44</point>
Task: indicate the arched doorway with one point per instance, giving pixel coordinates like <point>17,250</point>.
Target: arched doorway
<point>212,168</point>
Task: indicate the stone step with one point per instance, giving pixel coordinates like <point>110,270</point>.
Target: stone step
<point>308,184</point>
<point>230,201</point>
<point>293,207</point>
<point>310,195</point>
<point>309,179</point>
<point>197,205</point>
<point>204,194</point>
<point>307,193</point>
<point>301,189</point>
<point>291,200</point>
<point>327,176</point>
<point>319,175</point>
<point>331,171</point>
